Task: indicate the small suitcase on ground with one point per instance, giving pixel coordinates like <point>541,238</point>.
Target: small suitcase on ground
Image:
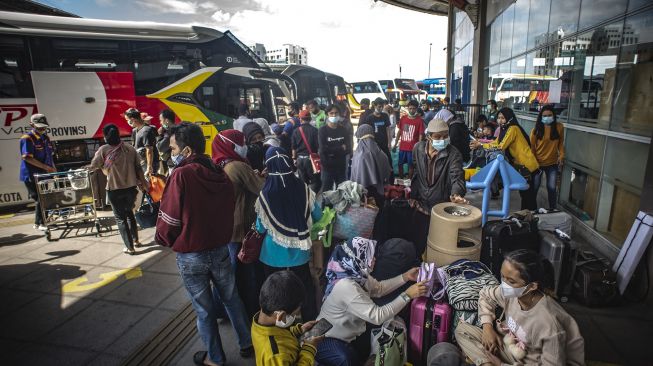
<point>562,255</point>
<point>503,236</point>
<point>430,323</point>
<point>595,284</point>
<point>552,220</point>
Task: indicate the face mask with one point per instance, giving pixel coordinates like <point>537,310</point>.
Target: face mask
<point>177,159</point>
<point>241,150</point>
<point>334,119</point>
<point>547,120</point>
<point>510,292</point>
<point>440,144</point>
<point>290,320</point>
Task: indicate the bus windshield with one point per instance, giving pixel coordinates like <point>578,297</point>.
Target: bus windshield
<point>366,87</point>
<point>406,84</point>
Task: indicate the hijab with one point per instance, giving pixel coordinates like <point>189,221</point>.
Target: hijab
<point>350,260</point>
<point>222,148</point>
<point>444,114</point>
<point>250,130</point>
<point>369,165</point>
<point>255,152</point>
<point>285,203</point>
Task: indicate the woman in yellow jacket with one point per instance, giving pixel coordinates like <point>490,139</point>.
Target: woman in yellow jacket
<point>515,143</point>
<point>548,145</point>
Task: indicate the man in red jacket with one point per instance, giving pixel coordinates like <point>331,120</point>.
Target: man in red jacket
<point>196,221</point>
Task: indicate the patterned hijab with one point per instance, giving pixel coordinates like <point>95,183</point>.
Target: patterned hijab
<point>350,260</point>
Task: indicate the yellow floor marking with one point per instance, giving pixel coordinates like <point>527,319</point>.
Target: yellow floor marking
<point>80,285</point>
<point>7,216</point>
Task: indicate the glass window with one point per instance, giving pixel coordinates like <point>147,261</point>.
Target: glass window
<point>520,27</point>
<point>538,23</point>
<point>15,77</point>
<point>494,80</point>
<point>564,17</point>
<point>632,105</point>
<point>495,40</point>
<point>594,72</point>
<point>579,191</point>
<point>587,155</point>
<point>593,12</point>
<point>506,33</point>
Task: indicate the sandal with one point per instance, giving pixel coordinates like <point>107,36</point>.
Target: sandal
<point>199,357</point>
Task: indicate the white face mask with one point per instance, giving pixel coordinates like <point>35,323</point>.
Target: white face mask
<point>290,320</point>
<point>510,292</point>
<point>240,150</point>
<point>334,119</point>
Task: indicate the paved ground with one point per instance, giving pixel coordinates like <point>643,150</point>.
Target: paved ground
<point>81,301</point>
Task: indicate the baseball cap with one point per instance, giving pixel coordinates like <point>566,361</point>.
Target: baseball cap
<point>304,114</point>
<point>39,120</point>
<point>365,101</point>
<point>437,125</point>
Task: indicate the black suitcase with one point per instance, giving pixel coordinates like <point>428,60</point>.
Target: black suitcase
<point>595,284</point>
<point>504,236</point>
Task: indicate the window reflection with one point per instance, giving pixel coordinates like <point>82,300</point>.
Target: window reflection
<point>538,22</point>
<point>506,33</point>
<point>520,27</point>
<point>593,12</point>
<point>564,17</point>
<point>495,40</point>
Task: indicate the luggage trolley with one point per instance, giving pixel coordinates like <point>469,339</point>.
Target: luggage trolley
<point>67,202</point>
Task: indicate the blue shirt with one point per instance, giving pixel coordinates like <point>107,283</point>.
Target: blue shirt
<point>38,147</point>
<point>290,126</point>
<point>428,116</point>
<point>274,255</point>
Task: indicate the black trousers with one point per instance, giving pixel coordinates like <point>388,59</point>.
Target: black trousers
<point>122,203</point>
<point>305,170</point>
<point>333,176</point>
<point>309,308</point>
<point>529,196</point>
<point>31,191</point>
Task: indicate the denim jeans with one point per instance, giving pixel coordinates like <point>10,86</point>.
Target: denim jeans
<point>199,271</point>
<point>32,193</point>
<point>335,352</point>
<point>122,203</point>
<point>551,180</point>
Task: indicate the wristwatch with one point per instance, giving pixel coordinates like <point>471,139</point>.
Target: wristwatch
<point>404,296</point>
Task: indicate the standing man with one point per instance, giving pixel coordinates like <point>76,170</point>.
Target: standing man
<point>333,150</point>
<point>303,134</point>
<point>197,196</point>
<point>144,140</point>
<point>429,113</point>
<point>293,122</point>
<point>318,115</point>
<point>365,107</point>
<point>167,118</point>
<point>243,117</point>
<point>380,121</point>
<point>411,130</point>
<point>38,158</point>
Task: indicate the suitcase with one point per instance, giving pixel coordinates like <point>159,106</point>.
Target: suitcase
<point>552,220</point>
<point>430,323</point>
<point>504,236</point>
<point>562,255</point>
<point>595,284</point>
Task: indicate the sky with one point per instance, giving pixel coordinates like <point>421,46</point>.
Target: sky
<point>356,39</point>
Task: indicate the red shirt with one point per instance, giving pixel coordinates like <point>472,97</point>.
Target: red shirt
<point>410,129</point>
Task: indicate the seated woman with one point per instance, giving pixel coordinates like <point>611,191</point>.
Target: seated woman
<point>286,210</point>
<point>369,165</point>
<point>348,304</point>
<point>537,329</point>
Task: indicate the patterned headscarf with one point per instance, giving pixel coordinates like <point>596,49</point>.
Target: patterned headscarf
<point>350,260</point>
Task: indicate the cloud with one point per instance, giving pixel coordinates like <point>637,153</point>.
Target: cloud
<point>105,2</point>
<point>221,17</point>
<point>170,6</point>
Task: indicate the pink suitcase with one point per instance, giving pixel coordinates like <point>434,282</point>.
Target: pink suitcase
<point>430,323</point>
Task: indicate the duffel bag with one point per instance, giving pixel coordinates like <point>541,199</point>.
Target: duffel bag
<point>147,213</point>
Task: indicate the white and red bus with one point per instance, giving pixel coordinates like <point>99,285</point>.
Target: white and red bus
<point>84,73</point>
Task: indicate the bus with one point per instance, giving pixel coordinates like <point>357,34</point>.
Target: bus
<point>367,89</point>
<point>519,88</point>
<point>401,89</point>
<point>84,73</point>
<point>435,88</point>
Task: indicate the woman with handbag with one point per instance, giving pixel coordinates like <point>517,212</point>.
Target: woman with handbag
<point>514,141</point>
<point>286,209</point>
<point>348,301</point>
<point>229,152</point>
<point>534,328</point>
<point>121,164</point>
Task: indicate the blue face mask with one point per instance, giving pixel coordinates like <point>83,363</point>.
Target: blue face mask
<point>177,159</point>
<point>547,120</point>
<point>440,144</point>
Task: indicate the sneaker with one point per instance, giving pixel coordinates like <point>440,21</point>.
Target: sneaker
<point>129,251</point>
<point>41,227</point>
<point>138,244</point>
<point>247,352</point>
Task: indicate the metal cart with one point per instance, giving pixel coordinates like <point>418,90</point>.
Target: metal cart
<point>67,203</point>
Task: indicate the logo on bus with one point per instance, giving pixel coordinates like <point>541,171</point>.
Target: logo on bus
<point>15,112</point>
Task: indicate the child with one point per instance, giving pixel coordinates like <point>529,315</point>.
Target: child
<point>534,328</point>
<point>488,133</point>
<point>411,131</point>
<point>274,336</point>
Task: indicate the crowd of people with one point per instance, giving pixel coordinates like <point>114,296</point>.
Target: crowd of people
<point>267,179</point>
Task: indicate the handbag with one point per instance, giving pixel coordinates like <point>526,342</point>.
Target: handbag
<point>436,280</point>
<point>251,248</point>
<point>465,281</point>
<point>389,343</point>
<point>156,187</point>
<point>147,213</point>
<point>316,163</point>
<point>356,221</point>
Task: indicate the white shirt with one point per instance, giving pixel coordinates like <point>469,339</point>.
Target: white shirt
<point>349,306</point>
<point>240,122</point>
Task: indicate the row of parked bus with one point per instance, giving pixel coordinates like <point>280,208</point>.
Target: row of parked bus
<point>84,73</point>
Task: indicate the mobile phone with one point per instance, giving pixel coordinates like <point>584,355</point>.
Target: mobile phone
<point>319,329</point>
